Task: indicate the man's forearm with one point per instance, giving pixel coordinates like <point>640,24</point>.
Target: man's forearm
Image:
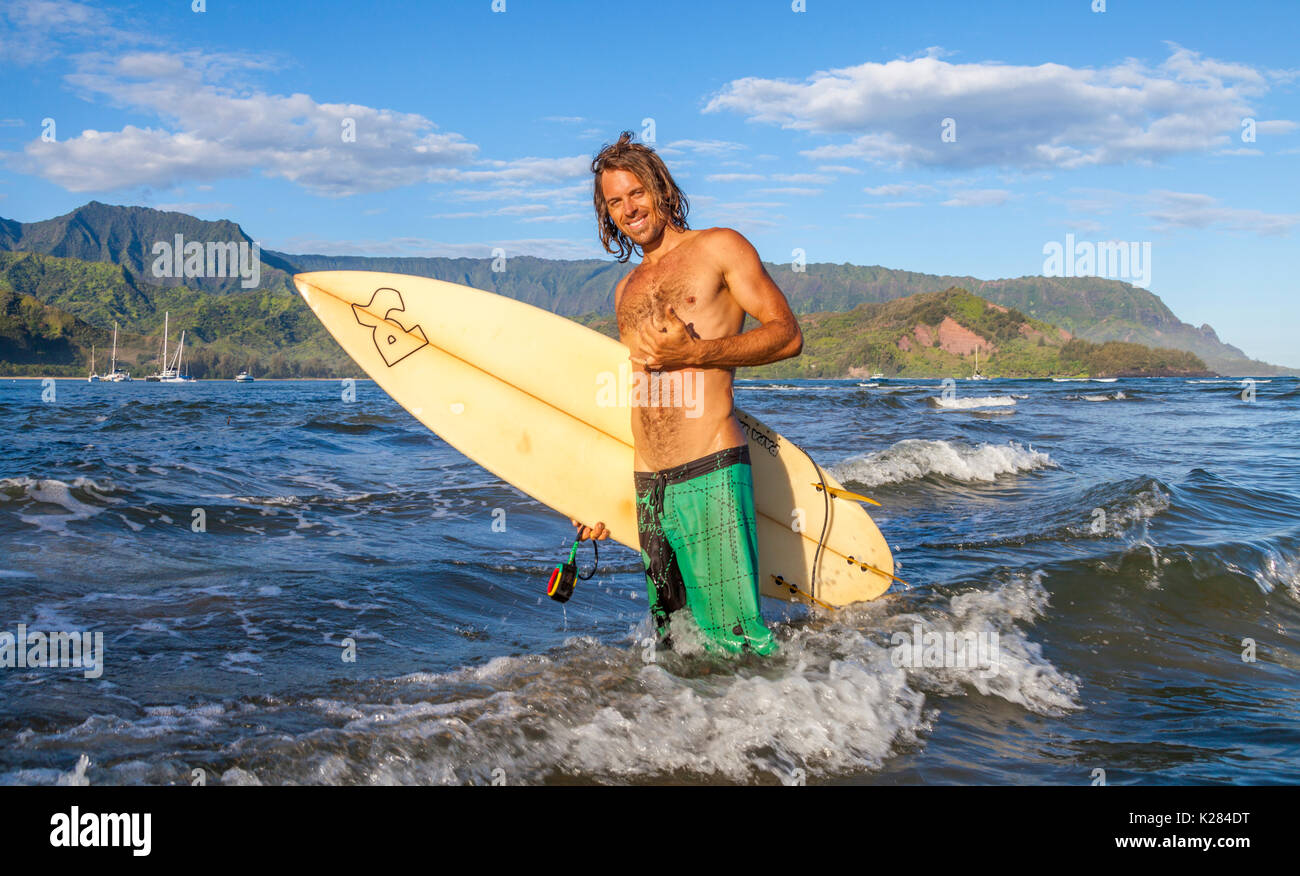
<point>770,342</point>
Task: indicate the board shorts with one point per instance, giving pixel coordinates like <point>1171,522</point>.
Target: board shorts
<point>699,545</point>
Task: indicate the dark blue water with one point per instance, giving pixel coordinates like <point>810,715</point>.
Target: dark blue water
<point>1127,543</point>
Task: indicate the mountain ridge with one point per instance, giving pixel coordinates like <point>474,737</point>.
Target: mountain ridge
<point>1092,309</point>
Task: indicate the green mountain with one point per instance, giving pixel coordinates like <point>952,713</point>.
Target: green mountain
<point>97,264</point>
<point>936,334</point>
<point>127,236</point>
<point>271,332</point>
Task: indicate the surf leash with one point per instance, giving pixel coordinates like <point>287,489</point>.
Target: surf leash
<point>565,576</point>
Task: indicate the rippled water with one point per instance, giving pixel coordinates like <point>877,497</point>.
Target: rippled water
<point>1127,542</point>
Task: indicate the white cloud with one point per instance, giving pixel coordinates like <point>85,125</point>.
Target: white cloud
<point>214,131</point>
<point>519,170</point>
<point>563,217</point>
<point>554,248</point>
<point>1172,211</point>
<point>209,129</point>
<point>978,198</point>
<point>195,208</point>
<point>892,189</point>
<point>1028,117</point>
<point>513,210</point>
<point>33,31</point>
<point>1175,210</point>
<point>571,194</point>
<point>701,147</point>
<point>801,177</point>
<point>734,177</point>
<point>744,214</point>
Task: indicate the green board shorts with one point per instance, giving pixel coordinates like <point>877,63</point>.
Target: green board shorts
<point>699,545</point>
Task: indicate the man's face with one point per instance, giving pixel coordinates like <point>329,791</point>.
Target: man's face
<point>631,206</point>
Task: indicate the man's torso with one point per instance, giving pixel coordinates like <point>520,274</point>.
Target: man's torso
<point>690,414</point>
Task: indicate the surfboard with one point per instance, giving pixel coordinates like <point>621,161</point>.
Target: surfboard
<point>544,404</point>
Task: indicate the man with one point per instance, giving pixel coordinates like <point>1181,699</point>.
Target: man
<point>680,312</point>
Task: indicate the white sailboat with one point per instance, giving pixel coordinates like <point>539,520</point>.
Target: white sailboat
<point>170,371</point>
<point>977,375</point>
<point>174,374</point>
<point>117,375</point>
<point>93,378</point>
<point>164,372</point>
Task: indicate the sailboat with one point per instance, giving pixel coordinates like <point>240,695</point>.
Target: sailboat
<point>163,371</point>
<point>117,375</point>
<point>93,378</point>
<point>174,374</point>
<point>170,372</point>
<point>977,375</point>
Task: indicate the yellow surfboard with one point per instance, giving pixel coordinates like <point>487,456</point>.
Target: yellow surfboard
<point>542,403</point>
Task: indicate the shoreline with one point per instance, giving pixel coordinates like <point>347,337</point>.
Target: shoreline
<point>960,380</point>
<point>200,380</point>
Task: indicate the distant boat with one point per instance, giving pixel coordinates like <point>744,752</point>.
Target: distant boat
<point>175,374</point>
<point>977,375</point>
<point>169,373</point>
<point>93,378</point>
<point>877,376</point>
<point>244,377</point>
<point>117,375</point>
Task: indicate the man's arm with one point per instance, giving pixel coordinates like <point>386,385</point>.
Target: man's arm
<point>777,337</point>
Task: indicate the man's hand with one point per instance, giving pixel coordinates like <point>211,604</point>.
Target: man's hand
<point>667,347</point>
<point>585,532</point>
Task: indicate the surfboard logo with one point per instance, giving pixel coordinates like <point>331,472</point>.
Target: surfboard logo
<point>761,438</point>
<point>393,339</point>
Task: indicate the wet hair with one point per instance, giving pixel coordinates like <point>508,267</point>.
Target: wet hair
<point>649,168</point>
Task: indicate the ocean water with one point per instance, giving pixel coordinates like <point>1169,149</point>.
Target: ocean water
<point>1131,549</point>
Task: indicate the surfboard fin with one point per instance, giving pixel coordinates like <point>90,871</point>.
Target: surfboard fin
<point>845,494</point>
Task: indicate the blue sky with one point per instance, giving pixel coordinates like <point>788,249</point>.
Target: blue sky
<point>822,130</point>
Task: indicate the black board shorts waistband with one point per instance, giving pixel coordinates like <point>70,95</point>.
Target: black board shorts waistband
<point>710,462</point>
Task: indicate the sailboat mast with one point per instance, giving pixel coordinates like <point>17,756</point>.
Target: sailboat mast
<point>114,347</point>
<point>166,316</point>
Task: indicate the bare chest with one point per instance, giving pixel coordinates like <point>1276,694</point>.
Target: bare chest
<point>647,297</point>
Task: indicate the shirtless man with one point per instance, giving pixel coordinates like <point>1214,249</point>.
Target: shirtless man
<point>680,313</point>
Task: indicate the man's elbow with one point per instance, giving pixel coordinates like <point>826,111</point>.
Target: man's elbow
<point>795,345</point>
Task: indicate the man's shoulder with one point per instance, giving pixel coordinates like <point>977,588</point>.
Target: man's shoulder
<point>726,246</point>
<point>721,237</point>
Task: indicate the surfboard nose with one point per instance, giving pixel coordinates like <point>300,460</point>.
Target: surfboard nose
<point>303,286</point>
